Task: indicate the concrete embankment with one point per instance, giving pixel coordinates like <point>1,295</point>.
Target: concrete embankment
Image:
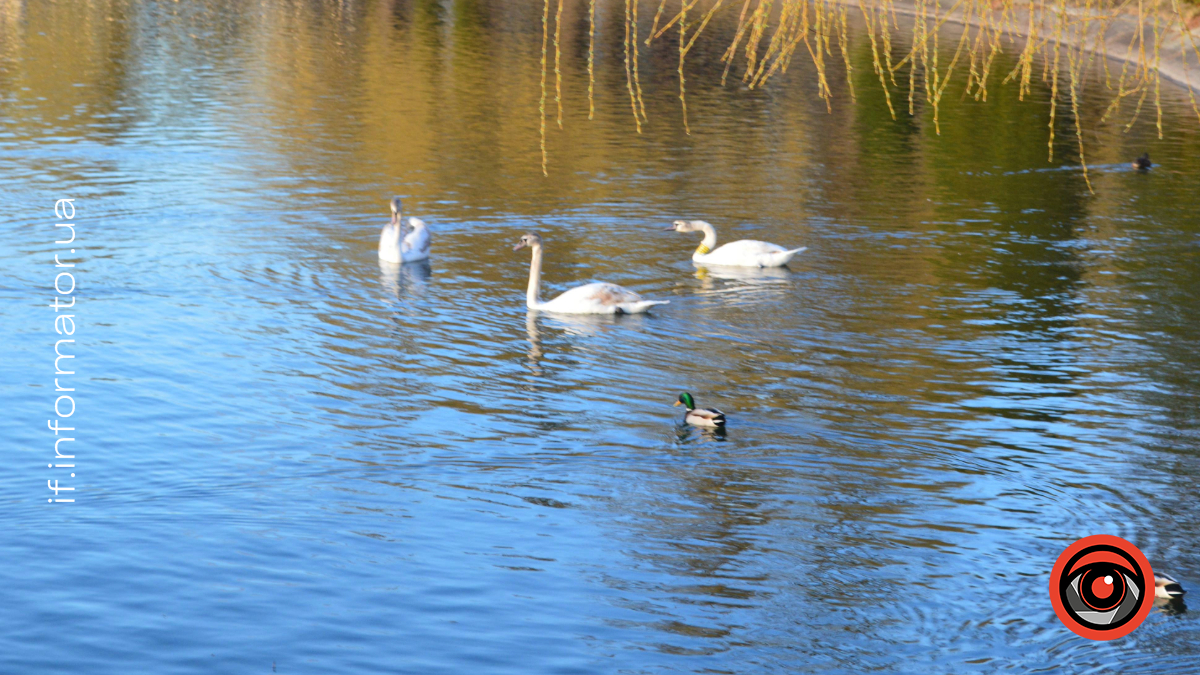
<point>1177,57</point>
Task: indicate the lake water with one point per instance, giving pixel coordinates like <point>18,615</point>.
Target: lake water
<point>294,460</point>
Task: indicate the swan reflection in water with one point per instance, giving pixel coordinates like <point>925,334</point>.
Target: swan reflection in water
<point>749,283</point>
<point>535,344</point>
<point>569,326</point>
<point>752,275</point>
<point>404,278</point>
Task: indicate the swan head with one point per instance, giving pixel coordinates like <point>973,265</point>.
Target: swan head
<point>529,239</point>
<point>687,226</point>
<point>397,208</point>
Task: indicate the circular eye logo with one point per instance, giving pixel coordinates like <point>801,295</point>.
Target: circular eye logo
<point>1099,587</point>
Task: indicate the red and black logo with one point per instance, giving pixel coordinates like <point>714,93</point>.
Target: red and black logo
<point>1102,587</point>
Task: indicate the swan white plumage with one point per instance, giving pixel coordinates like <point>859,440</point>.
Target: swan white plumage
<point>398,244</point>
<point>596,298</point>
<point>744,253</point>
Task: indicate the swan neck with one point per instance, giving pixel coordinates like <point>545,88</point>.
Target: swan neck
<point>532,296</point>
<point>391,234</point>
<point>710,239</point>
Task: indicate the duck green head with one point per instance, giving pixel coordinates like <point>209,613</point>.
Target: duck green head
<point>686,400</point>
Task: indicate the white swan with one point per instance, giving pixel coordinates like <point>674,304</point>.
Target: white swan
<point>597,298</point>
<point>398,246</point>
<point>744,253</point>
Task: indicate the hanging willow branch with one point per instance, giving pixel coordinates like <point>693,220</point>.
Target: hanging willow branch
<point>1064,35</point>
<point>542,101</point>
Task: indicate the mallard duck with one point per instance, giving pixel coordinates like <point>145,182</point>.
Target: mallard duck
<point>700,417</point>
<point>596,298</point>
<point>744,253</point>
<point>1143,163</point>
<point>1165,586</point>
<point>397,245</point>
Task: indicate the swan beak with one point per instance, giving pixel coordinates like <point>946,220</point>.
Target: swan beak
<point>675,404</point>
<point>520,245</point>
<point>669,229</point>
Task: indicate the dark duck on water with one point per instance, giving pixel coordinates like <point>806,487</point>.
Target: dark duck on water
<point>1165,586</point>
<point>700,417</point>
